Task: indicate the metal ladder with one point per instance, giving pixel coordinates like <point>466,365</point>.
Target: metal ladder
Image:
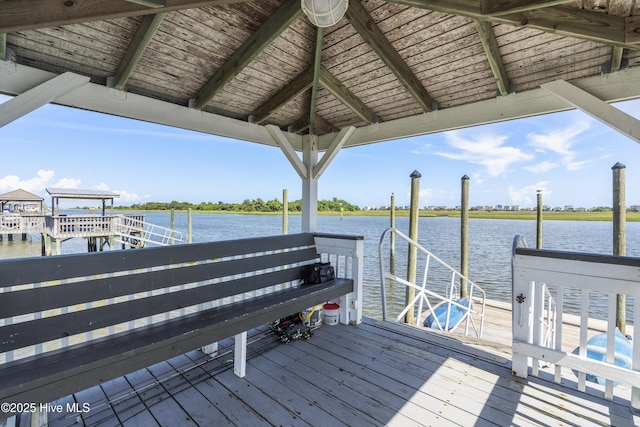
<point>472,310</point>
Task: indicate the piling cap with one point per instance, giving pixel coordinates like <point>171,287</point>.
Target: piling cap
<point>415,174</point>
<point>465,177</point>
<point>618,166</point>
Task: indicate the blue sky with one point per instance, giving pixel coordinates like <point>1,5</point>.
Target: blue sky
<point>567,155</point>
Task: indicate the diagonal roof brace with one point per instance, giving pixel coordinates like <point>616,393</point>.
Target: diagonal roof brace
<point>287,148</point>
<point>336,145</point>
<point>40,95</point>
<point>596,108</point>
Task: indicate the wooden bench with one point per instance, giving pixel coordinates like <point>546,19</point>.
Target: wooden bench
<point>89,318</point>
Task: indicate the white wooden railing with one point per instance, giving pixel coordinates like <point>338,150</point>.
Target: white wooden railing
<point>346,254</point>
<point>582,276</point>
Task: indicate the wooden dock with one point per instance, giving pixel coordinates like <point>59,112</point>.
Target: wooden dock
<point>374,374</point>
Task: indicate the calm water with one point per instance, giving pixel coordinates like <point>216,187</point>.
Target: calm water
<point>489,243</point>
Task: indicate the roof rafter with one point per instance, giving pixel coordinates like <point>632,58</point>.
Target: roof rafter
<point>566,21</point>
<point>149,3</point>
<point>292,89</point>
<point>317,59</point>
<point>360,19</point>
<point>146,31</point>
<point>501,7</point>
<point>344,95</point>
<point>488,39</point>
<point>275,24</point>
<point>19,15</point>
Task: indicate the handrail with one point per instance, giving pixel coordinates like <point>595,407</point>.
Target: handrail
<point>424,294</point>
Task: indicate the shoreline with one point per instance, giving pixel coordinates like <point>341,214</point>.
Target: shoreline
<point>517,215</point>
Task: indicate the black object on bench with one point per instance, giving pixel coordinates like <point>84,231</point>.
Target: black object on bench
<point>260,274</point>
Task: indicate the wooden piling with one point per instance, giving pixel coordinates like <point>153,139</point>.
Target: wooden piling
<point>189,226</point>
<point>392,237</point>
<point>539,219</point>
<point>285,211</point>
<point>464,235</point>
<point>413,252</point>
<point>173,223</point>
<point>619,233</point>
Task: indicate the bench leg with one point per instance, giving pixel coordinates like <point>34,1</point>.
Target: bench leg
<point>240,355</point>
<point>211,349</point>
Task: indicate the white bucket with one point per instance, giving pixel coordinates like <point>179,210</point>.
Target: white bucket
<point>312,317</point>
<point>330,313</point>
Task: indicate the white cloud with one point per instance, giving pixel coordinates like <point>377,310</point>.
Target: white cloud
<point>486,150</point>
<point>68,183</point>
<point>527,195</point>
<point>125,198</point>
<point>36,184</point>
<point>543,167</point>
<point>561,141</point>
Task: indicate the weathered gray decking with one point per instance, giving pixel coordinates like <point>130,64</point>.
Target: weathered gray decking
<point>373,374</point>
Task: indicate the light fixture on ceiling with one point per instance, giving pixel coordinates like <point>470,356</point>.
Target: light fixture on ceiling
<point>324,13</point>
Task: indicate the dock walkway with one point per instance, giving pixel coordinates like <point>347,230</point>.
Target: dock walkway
<point>373,374</point>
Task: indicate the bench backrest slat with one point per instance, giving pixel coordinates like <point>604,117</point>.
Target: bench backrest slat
<point>64,295</point>
<point>112,288</point>
<point>14,272</point>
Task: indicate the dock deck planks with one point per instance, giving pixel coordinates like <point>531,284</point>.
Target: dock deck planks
<point>373,374</point>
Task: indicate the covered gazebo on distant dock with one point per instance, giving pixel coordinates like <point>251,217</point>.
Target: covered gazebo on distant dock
<point>21,201</point>
<point>20,213</point>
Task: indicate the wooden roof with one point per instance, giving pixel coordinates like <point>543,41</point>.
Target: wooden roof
<point>20,195</point>
<point>75,193</point>
<point>389,68</point>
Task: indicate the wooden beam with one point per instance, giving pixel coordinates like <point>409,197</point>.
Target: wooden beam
<point>40,95</point>
<point>488,39</point>
<point>502,7</point>
<point>596,108</point>
<point>360,19</point>
<point>336,145</point>
<point>345,96</point>
<point>621,86</point>
<point>291,90</point>
<point>20,15</point>
<point>275,24</point>
<point>138,45</point>
<point>317,59</point>
<point>562,20</point>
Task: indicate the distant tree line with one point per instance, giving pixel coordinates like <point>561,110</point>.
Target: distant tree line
<point>257,205</point>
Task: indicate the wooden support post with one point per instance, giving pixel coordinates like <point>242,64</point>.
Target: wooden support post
<point>619,234</point>
<point>392,237</point>
<point>285,211</point>
<point>173,223</point>
<point>539,220</point>
<point>414,211</point>
<point>464,235</point>
<point>189,226</point>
